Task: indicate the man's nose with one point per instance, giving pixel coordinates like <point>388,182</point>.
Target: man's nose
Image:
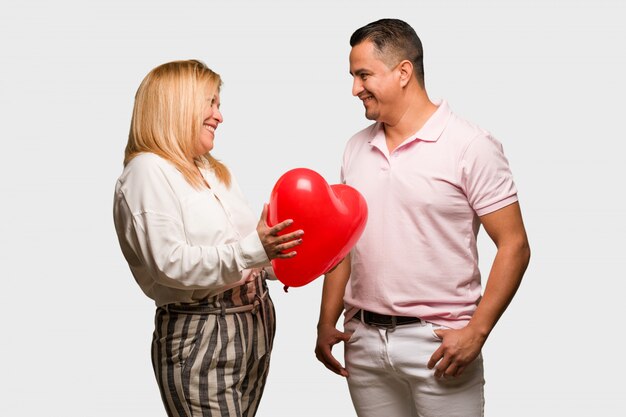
<point>357,86</point>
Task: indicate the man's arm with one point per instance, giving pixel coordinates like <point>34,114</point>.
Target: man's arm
<point>330,310</point>
<point>460,347</point>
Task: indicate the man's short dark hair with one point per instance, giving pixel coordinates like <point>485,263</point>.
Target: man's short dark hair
<point>395,41</point>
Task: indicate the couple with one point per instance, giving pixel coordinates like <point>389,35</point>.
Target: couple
<point>415,316</point>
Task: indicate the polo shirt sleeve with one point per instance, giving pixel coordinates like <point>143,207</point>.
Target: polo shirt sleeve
<point>486,177</point>
<point>153,227</point>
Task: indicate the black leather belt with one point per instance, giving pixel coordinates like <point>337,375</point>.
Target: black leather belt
<point>383,320</point>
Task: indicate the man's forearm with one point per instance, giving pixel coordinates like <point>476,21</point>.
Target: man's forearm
<point>332,293</point>
<point>504,279</point>
<point>506,229</point>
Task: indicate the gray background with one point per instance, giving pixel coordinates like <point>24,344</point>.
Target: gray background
<point>545,77</point>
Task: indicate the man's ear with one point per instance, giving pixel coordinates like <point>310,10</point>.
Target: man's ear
<point>406,72</point>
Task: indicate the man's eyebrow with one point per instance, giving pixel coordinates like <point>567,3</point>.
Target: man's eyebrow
<point>358,71</point>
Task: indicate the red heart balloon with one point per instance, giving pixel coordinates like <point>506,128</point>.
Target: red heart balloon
<point>332,217</point>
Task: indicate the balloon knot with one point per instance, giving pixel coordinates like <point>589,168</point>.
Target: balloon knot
<point>286,288</point>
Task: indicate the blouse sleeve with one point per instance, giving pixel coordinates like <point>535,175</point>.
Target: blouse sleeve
<point>147,211</point>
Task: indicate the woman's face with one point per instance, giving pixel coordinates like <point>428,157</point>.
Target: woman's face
<point>212,117</point>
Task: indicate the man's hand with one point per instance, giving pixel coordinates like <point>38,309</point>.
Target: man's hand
<point>458,349</point>
<point>327,337</point>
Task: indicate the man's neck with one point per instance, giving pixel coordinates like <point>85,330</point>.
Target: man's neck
<point>416,113</point>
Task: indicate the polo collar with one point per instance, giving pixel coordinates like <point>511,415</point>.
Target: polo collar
<point>429,132</point>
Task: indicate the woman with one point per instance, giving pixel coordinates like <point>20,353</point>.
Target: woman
<point>195,248</point>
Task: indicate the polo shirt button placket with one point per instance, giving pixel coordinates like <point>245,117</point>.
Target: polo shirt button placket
<point>385,164</point>
<point>392,160</point>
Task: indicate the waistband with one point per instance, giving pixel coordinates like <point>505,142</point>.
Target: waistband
<point>247,297</point>
<point>383,320</point>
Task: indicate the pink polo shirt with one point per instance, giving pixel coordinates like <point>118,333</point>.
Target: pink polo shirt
<point>417,255</point>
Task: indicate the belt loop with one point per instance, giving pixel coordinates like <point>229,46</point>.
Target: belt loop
<point>223,313</point>
<point>394,321</point>
<point>362,313</point>
<point>257,301</point>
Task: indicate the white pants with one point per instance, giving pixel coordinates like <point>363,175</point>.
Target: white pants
<point>389,376</point>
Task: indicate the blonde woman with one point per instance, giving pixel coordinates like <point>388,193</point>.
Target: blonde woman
<point>194,247</point>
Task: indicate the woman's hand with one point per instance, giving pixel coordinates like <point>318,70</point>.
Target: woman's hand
<point>273,244</point>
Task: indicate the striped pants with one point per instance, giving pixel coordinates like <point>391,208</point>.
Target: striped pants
<point>212,358</point>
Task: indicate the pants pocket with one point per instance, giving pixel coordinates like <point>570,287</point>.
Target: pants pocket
<point>352,327</point>
<point>432,327</point>
<point>194,340</point>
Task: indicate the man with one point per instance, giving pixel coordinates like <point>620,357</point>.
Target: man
<point>415,320</point>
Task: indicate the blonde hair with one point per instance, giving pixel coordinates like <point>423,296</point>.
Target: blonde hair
<point>167,118</point>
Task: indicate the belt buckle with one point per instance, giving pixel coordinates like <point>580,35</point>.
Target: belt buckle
<point>373,322</point>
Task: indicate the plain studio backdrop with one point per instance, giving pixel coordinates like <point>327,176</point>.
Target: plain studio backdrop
<point>545,77</point>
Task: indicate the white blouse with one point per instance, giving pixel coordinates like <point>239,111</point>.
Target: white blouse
<point>183,244</point>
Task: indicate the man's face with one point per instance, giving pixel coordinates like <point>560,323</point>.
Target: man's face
<point>375,83</point>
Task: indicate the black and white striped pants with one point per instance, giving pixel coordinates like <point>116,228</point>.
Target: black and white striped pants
<point>212,358</point>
